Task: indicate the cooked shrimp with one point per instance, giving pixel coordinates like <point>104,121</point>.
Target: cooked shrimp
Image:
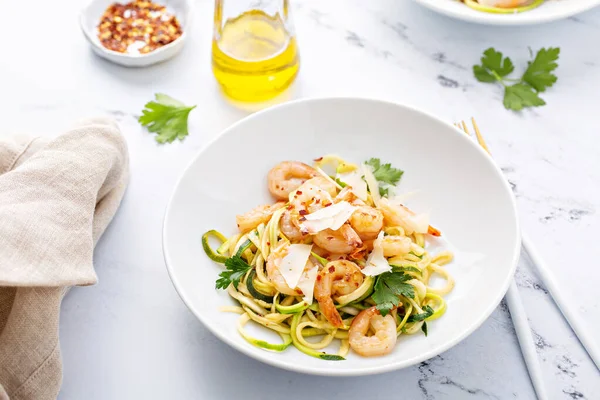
<point>384,339</point>
<point>367,222</point>
<point>399,215</point>
<point>328,255</point>
<point>257,216</point>
<point>307,199</point>
<point>273,262</point>
<point>336,278</point>
<point>396,215</point>
<point>504,3</point>
<point>343,241</point>
<point>287,176</point>
<point>346,194</point>
<point>289,226</point>
<point>310,197</point>
<point>395,245</point>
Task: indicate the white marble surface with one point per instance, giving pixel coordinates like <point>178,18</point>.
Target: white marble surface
<point>130,336</point>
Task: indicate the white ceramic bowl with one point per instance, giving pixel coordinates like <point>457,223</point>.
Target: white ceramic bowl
<point>551,10</point>
<point>90,16</point>
<point>466,193</point>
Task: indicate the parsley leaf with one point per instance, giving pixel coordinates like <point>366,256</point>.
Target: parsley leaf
<point>424,328</point>
<point>536,79</point>
<point>236,269</point>
<point>520,95</point>
<point>385,174</point>
<point>388,287</point>
<point>539,71</point>
<point>167,117</point>
<point>420,317</point>
<point>483,74</point>
<point>494,60</point>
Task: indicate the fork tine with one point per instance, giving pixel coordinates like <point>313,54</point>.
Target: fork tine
<point>479,136</point>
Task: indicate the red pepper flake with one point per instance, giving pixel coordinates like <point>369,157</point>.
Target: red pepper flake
<point>356,284</point>
<point>298,192</point>
<point>331,269</point>
<point>318,277</point>
<point>318,159</point>
<point>268,243</point>
<point>137,27</point>
<point>327,205</point>
<point>317,201</point>
<point>302,212</point>
<point>290,207</point>
<point>329,237</point>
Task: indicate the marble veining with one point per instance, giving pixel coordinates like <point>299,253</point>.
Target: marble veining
<point>131,337</point>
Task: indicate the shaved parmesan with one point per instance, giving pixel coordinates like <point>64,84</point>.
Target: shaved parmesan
<point>292,265</point>
<point>332,217</point>
<point>372,184</point>
<point>307,284</point>
<point>399,199</point>
<point>354,180</point>
<point>376,263</point>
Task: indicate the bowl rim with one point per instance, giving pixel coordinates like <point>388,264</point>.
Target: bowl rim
<point>326,370</point>
<point>153,54</point>
<point>505,19</point>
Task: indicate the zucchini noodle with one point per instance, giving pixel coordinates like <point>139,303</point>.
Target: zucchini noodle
<point>306,323</point>
<point>498,10</point>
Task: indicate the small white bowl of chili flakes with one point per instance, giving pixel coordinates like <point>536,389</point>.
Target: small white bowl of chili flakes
<point>137,33</point>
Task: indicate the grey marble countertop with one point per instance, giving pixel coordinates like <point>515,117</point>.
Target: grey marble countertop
<point>130,336</point>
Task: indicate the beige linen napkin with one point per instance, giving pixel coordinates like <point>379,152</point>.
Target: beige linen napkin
<point>56,199</point>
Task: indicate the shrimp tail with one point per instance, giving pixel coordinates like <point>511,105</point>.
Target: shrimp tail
<point>351,236</point>
<point>328,309</point>
<point>433,231</point>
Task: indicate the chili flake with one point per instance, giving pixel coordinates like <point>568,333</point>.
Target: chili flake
<point>137,27</point>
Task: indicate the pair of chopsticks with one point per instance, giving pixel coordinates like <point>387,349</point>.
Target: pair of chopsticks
<point>517,311</point>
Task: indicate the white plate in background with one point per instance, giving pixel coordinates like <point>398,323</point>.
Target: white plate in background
<point>551,10</point>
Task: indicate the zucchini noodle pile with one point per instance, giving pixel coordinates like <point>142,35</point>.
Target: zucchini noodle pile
<point>254,270</point>
<point>503,6</point>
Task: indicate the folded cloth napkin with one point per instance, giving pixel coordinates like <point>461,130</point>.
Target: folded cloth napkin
<point>56,199</point>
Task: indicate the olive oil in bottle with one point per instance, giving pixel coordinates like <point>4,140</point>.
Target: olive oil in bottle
<point>254,55</point>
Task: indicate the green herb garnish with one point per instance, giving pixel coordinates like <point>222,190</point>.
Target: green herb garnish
<point>524,92</point>
<point>385,174</point>
<point>420,317</point>
<point>396,268</point>
<point>167,117</point>
<point>388,288</point>
<point>236,269</point>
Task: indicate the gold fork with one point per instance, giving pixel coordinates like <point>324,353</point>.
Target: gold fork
<point>515,304</point>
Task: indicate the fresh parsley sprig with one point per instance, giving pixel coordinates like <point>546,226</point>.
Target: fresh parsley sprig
<point>167,117</point>
<point>524,92</point>
<point>236,269</point>
<point>388,287</point>
<point>385,174</point>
